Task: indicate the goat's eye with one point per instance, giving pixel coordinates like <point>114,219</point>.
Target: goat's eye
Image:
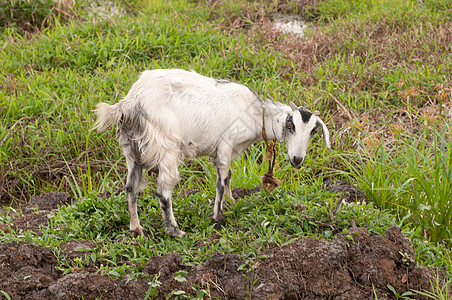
<point>290,127</point>
<point>289,124</point>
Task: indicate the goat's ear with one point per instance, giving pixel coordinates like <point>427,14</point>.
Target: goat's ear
<point>279,126</point>
<point>326,133</point>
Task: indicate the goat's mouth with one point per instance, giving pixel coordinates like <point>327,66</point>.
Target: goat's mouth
<point>296,166</point>
<point>296,162</point>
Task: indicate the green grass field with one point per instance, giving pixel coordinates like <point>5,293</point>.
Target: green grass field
<point>378,71</point>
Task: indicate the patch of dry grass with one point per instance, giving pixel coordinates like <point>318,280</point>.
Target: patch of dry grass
<point>401,64</point>
<point>29,17</point>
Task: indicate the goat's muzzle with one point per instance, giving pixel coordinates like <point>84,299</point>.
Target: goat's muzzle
<point>296,161</point>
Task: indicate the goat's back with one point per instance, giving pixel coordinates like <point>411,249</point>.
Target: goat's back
<point>192,106</point>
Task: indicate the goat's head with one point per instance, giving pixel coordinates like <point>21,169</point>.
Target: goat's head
<point>296,128</point>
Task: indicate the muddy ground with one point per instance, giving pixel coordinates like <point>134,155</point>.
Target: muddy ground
<point>305,269</point>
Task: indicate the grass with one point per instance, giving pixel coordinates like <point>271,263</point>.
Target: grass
<point>26,15</point>
<point>414,182</point>
<point>252,225</point>
<point>379,71</point>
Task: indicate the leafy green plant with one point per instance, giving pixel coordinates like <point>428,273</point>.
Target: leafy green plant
<point>405,295</point>
<point>414,182</point>
<point>153,288</point>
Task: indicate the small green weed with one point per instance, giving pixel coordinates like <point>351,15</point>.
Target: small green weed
<point>405,295</point>
<point>7,296</point>
<point>440,290</point>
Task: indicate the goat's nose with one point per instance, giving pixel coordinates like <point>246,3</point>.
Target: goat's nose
<point>296,161</point>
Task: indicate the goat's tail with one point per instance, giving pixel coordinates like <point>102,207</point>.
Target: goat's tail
<point>107,115</point>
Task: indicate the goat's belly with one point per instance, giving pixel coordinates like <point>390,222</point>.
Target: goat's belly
<point>192,150</point>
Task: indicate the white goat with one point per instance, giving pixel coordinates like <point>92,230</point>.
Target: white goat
<point>169,115</point>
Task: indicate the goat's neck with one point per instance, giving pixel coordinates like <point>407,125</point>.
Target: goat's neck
<point>270,110</point>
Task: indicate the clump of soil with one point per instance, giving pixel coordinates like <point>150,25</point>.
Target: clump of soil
<point>344,268</point>
<point>239,193</point>
<point>47,202</point>
<point>35,212</point>
<point>349,192</point>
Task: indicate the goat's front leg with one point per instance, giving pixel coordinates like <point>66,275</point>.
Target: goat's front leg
<point>223,184</point>
<point>227,188</point>
<point>168,178</point>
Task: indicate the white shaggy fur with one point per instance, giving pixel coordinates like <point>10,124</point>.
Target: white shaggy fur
<point>169,115</point>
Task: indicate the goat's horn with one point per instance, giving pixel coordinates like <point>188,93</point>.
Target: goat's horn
<point>293,106</point>
<point>316,113</point>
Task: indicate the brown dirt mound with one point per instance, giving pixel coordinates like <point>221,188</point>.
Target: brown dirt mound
<point>356,266</point>
<point>315,269</point>
<point>305,269</point>
<point>29,272</point>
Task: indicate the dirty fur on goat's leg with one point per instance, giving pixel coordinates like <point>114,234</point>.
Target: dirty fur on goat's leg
<point>227,190</point>
<point>169,221</point>
<point>222,182</point>
<point>166,182</point>
<point>217,209</point>
<point>134,220</point>
<point>134,179</point>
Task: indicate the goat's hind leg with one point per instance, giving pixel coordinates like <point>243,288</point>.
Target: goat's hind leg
<point>133,187</point>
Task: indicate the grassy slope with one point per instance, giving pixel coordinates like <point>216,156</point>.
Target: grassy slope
<point>379,71</point>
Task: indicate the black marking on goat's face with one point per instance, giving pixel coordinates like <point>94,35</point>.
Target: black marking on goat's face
<point>305,114</point>
<point>290,126</point>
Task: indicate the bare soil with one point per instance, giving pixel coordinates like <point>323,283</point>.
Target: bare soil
<point>305,269</point>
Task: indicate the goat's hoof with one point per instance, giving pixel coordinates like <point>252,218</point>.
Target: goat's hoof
<point>175,232</point>
<point>138,231</point>
<point>219,223</point>
<point>229,202</point>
